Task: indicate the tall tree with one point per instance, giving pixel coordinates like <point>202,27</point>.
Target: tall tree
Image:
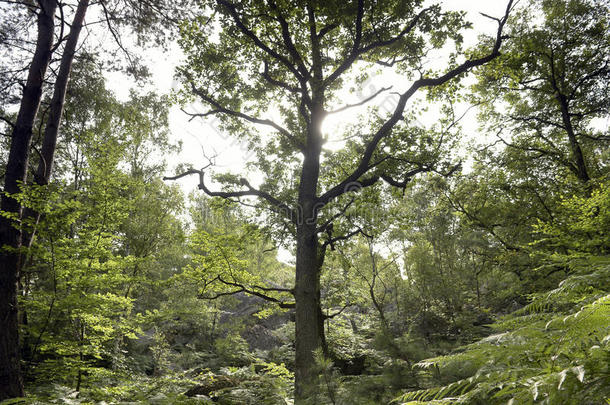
<point>306,51</point>
<point>106,222</point>
<point>11,384</point>
<point>553,81</point>
<point>12,238</point>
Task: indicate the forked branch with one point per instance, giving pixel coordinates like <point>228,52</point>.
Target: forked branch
<point>364,164</point>
<point>278,206</point>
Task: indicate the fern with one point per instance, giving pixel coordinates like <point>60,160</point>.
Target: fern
<point>555,350</point>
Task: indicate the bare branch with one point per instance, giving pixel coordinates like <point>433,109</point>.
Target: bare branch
<point>407,177</point>
<point>243,288</point>
<point>339,214</point>
<point>115,35</point>
<point>278,83</point>
<point>366,100</point>
<point>339,312</point>
<point>7,121</point>
<point>331,241</point>
<point>279,206</point>
<point>62,22</point>
<point>392,61</point>
<point>220,109</point>
<point>555,155</point>
<point>604,70</point>
<point>274,289</point>
<point>199,115</point>
<point>289,44</point>
<point>326,29</point>
<point>489,228</point>
<point>536,119</point>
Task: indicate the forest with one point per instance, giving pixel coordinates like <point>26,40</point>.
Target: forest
<point>420,213</point>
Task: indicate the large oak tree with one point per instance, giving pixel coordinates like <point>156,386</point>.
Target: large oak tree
<point>248,60</point>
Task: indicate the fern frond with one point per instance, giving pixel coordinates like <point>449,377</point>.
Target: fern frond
<point>536,356</point>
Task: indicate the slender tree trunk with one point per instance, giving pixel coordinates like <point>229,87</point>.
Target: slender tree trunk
<point>577,155</point>
<point>49,142</point>
<point>45,167</point>
<point>11,384</point>
<point>376,304</point>
<point>51,131</point>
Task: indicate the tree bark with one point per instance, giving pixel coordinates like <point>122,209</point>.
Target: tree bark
<point>308,323</point>
<point>47,152</point>
<point>577,155</point>
<point>42,176</point>
<point>11,383</point>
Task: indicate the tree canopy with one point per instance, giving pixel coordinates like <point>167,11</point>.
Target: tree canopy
<point>390,258</point>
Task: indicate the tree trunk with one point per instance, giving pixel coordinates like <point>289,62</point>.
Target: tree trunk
<point>45,167</point>
<point>308,323</point>
<point>307,333</point>
<point>49,142</point>
<point>374,274</point>
<point>11,384</point>
<point>51,131</point>
<point>580,168</point>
